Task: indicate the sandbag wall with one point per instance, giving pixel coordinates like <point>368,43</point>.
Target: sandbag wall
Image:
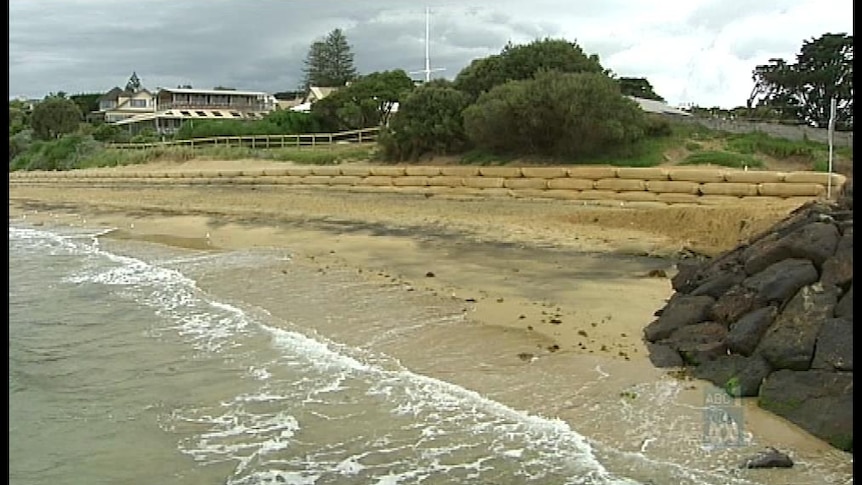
<point>589,184</point>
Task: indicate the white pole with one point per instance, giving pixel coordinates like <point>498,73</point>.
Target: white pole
<point>427,44</point>
<point>833,107</point>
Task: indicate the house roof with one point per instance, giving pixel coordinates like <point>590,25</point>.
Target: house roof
<point>111,95</point>
<point>213,91</point>
<point>659,107</point>
<point>116,92</point>
<point>321,92</point>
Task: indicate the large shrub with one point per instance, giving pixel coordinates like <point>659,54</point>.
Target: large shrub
<point>556,114</point>
<point>19,143</point>
<point>519,62</point>
<point>110,133</point>
<point>65,153</point>
<point>429,120</point>
<point>282,122</point>
<point>54,117</point>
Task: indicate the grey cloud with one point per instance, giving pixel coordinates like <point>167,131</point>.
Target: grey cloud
<point>717,14</point>
<point>94,45</point>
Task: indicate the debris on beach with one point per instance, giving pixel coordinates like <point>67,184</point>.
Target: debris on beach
<point>770,458</point>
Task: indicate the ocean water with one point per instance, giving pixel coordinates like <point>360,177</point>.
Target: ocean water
<point>136,363</point>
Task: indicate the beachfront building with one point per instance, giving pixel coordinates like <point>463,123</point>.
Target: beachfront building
<point>658,107</point>
<point>120,104</point>
<point>171,107</point>
<point>314,93</point>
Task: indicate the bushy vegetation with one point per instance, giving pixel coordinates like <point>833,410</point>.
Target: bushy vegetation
<point>61,154</point>
<point>547,101</point>
<point>722,158</point>
<point>555,114</point>
<point>430,121</point>
<point>543,99</point>
<point>282,122</point>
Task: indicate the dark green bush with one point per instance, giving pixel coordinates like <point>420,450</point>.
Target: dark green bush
<point>555,115</point>
<point>429,121</point>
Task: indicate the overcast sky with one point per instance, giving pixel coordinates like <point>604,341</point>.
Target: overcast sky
<point>692,51</point>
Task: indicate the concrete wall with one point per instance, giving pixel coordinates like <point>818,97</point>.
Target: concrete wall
<point>789,132</point>
<point>601,185</point>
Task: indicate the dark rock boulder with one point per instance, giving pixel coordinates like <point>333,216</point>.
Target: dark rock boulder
<point>746,333</point>
<point>718,284</point>
<point>838,270</point>
<point>662,355</point>
<point>789,342</point>
<point>844,308</point>
<point>820,402</point>
<point>699,343</point>
<point>834,348</point>
<point>691,275</point>
<point>815,241</point>
<point>681,311</point>
<point>739,376</point>
<point>779,282</point>
<point>735,303</point>
<point>774,318</point>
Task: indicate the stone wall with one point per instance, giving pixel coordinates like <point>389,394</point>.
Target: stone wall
<point>778,130</point>
<point>636,186</point>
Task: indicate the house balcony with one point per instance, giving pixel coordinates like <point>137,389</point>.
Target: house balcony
<point>216,106</point>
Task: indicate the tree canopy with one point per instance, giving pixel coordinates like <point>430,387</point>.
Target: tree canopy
<point>329,62</point>
<point>54,117</point>
<point>429,120</point>
<point>802,90</point>
<point>134,83</point>
<point>366,102</point>
<point>638,87</point>
<point>555,114</point>
<point>517,62</point>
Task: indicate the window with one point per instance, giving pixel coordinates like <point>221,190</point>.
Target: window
<point>185,113</point>
<point>217,113</point>
<point>107,105</point>
<point>138,103</point>
<point>200,113</point>
<point>235,114</point>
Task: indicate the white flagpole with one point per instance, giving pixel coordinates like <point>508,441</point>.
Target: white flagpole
<point>833,107</point>
<point>427,44</point>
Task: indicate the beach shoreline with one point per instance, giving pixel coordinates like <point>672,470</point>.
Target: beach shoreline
<point>579,281</point>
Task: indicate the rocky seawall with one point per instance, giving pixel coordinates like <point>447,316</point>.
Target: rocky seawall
<point>773,318</point>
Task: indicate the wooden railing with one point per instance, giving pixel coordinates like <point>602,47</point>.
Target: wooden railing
<point>366,135</point>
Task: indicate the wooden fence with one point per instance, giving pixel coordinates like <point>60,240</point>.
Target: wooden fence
<point>366,135</point>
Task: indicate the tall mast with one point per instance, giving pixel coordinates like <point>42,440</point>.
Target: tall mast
<point>427,44</point>
<point>427,71</point>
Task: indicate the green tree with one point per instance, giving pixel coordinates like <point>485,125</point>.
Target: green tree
<point>517,62</point>
<point>54,117</point>
<point>109,133</point>
<point>555,114</point>
<point>134,83</point>
<point>366,102</point>
<point>329,62</point>
<point>429,120</point>
<point>803,90</point>
<point>87,103</point>
<point>638,87</point>
<point>19,116</point>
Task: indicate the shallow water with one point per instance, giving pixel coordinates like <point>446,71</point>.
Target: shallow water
<point>139,363</point>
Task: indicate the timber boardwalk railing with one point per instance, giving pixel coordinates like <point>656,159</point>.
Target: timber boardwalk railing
<point>366,135</point>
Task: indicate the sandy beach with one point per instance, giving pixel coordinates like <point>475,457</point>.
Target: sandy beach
<point>572,279</point>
